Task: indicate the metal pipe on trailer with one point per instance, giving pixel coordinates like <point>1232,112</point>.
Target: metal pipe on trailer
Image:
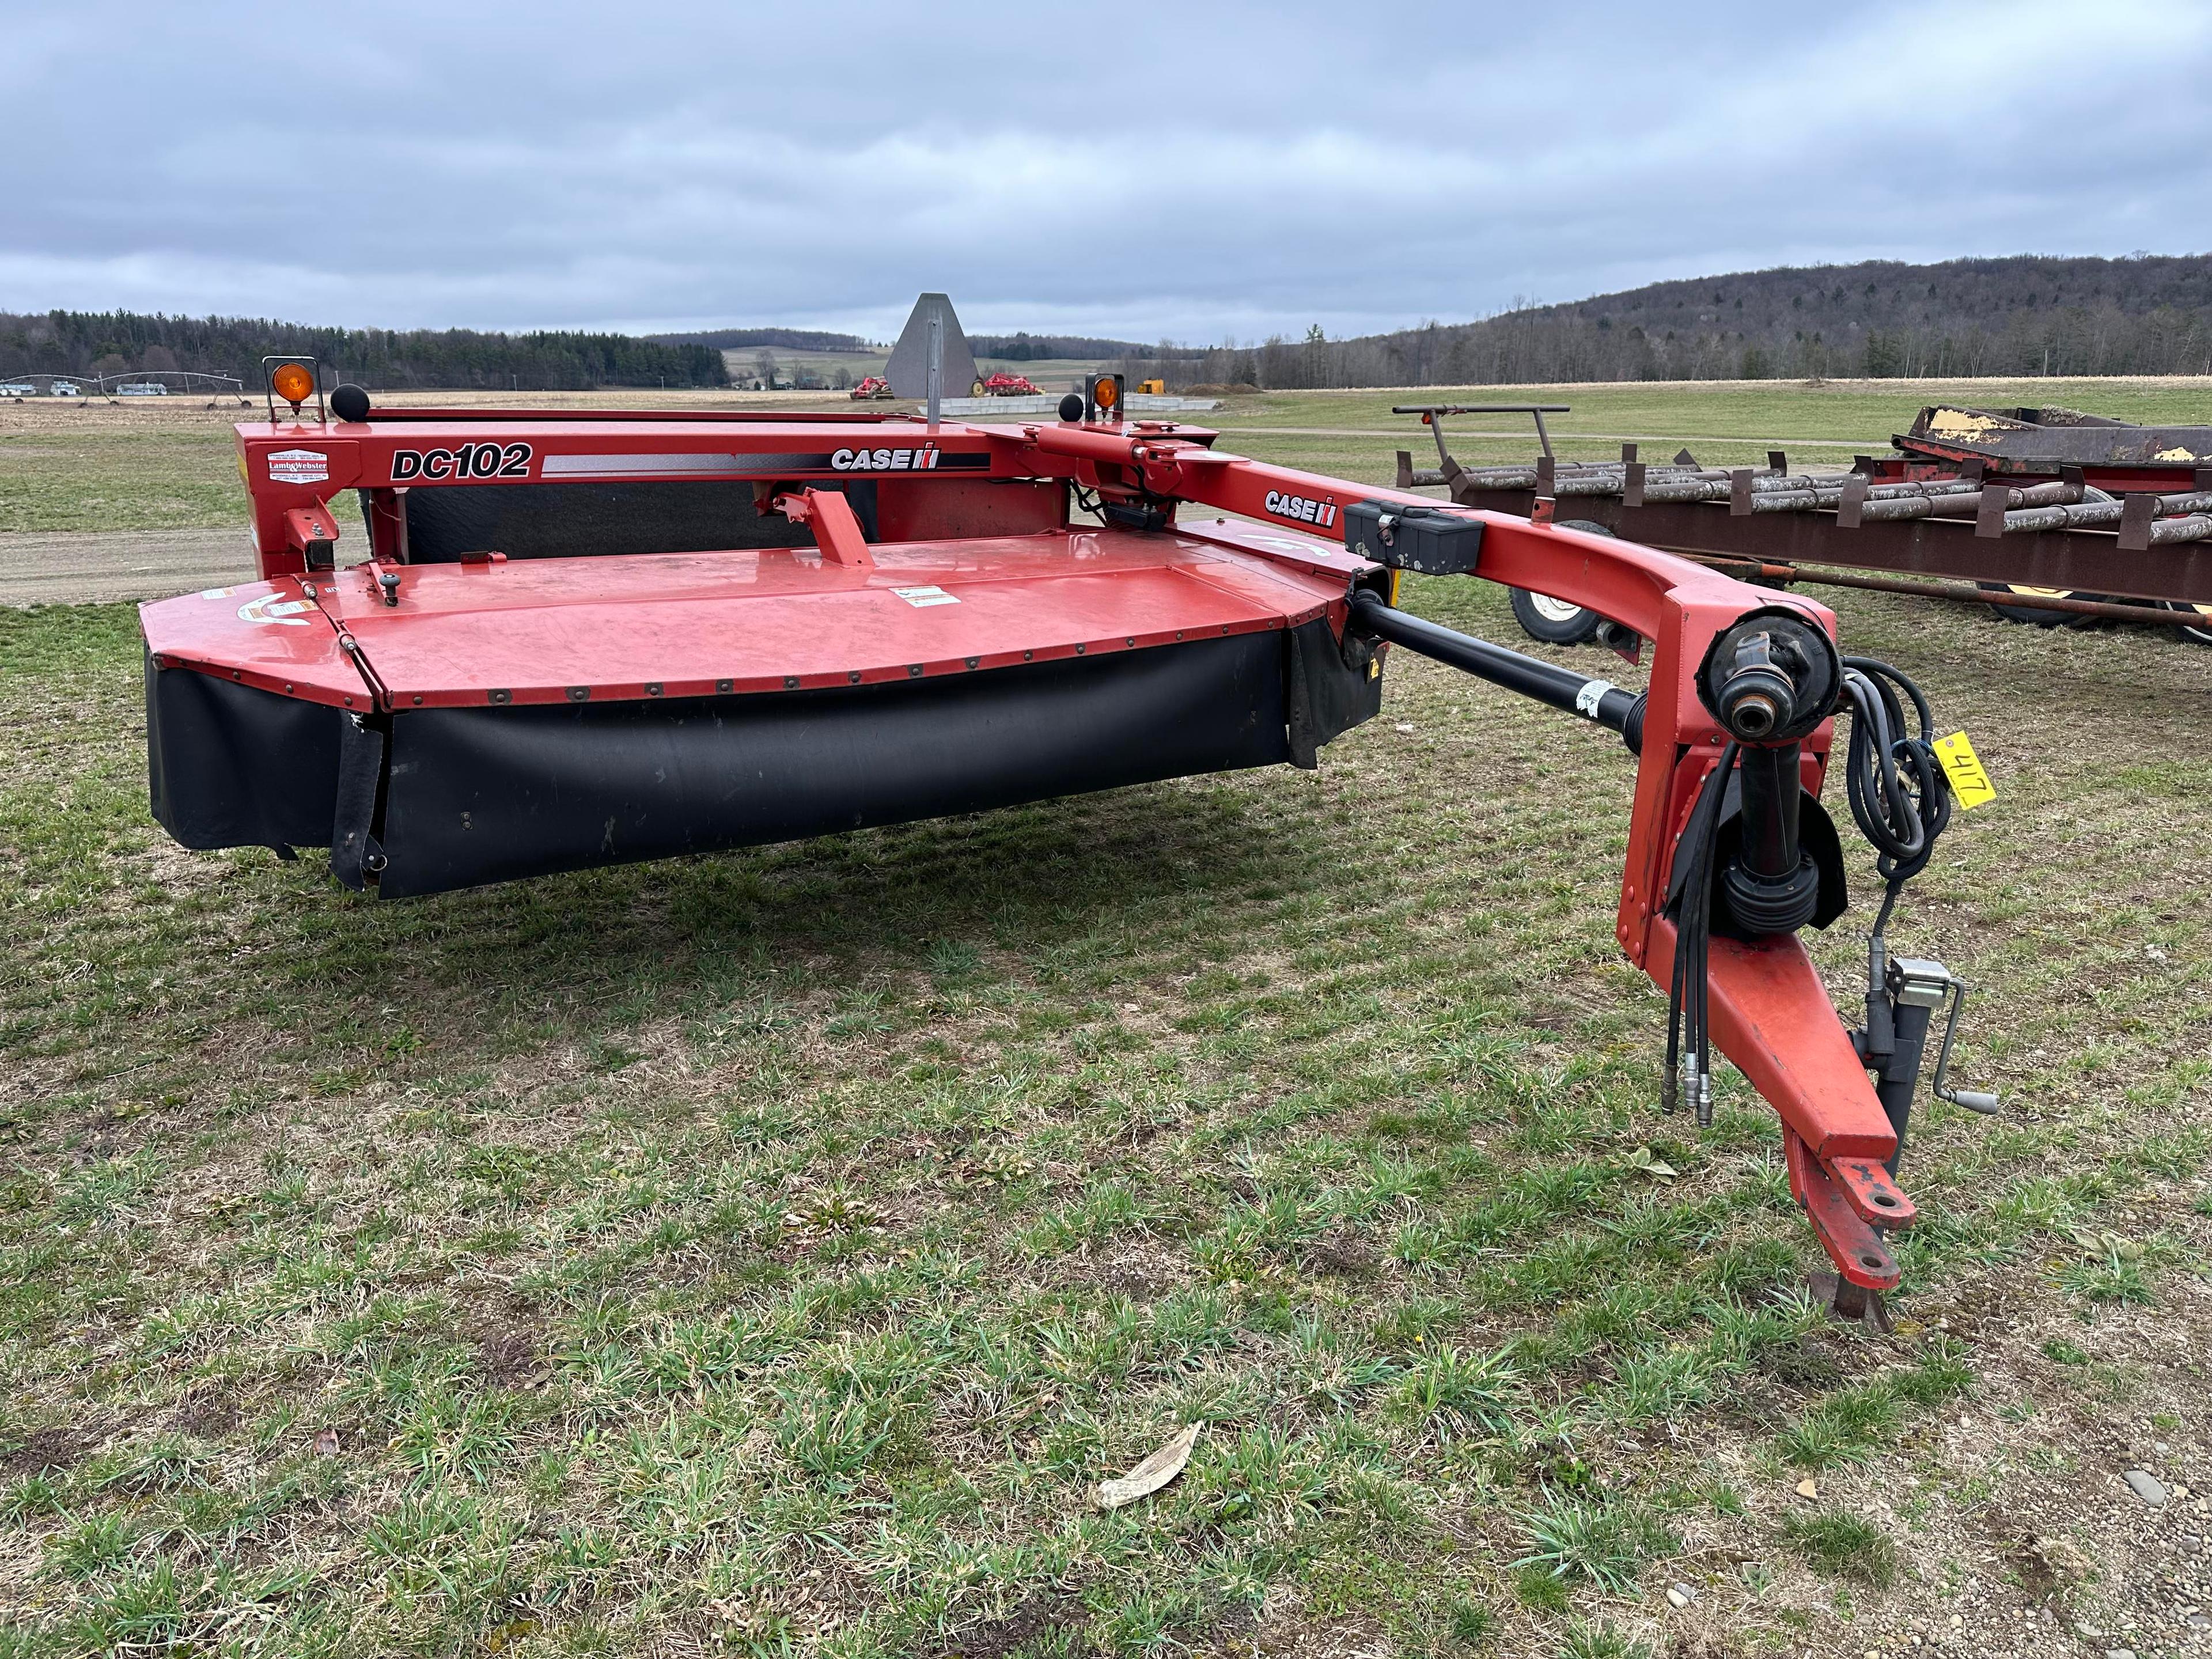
<point>2172,571</point>
<point>2031,533</point>
<point>1767,571</point>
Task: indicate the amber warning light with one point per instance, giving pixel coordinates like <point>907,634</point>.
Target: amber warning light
<point>1103,397</point>
<point>293,383</point>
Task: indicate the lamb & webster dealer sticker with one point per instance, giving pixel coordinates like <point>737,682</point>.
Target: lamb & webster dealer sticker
<point>298,466</point>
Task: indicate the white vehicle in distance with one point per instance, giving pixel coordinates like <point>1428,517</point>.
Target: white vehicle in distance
<point>18,389</point>
<point>142,389</point>
<point>64,389</point>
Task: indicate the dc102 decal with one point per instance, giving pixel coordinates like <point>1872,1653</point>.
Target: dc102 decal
<point>1302,509</point>
<point>466,461</point>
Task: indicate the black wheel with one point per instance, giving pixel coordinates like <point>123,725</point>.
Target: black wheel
<point>2196,628</point>
<point>2038,616</point>
<point>1554,621</point>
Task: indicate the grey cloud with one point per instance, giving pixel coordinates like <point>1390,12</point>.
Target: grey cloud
<point>1223,170</point>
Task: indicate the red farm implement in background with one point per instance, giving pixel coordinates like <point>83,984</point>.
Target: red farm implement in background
<point>874,388</point>
<point>1000,383</point>
<point>579,639</point>
<point>2050,516</point>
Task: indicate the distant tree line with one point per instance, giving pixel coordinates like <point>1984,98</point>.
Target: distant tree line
<point>1023,347</point>
<point>744,339</point>
<point>115,342</point>
<point>2020,316</point>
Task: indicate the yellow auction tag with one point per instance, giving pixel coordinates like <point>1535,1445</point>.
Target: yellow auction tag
<point>1968,783</point>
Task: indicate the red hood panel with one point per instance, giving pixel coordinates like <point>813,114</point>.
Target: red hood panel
<point>694,624</point>
<point>268,634</point>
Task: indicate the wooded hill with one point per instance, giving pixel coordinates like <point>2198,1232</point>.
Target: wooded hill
<point>783,339</point>
<point>1023,347</point>
<point>87,344</point>
<point>2023,315</point>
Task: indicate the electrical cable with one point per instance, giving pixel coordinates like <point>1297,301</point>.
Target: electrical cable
<point>1899,800</point>
<point>1891,775</point>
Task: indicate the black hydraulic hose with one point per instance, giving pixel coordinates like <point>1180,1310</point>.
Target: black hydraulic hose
<point>1689,1043</point>
<point>1891,774</point>
<point>1547,683</point>
<point>1900,803</point>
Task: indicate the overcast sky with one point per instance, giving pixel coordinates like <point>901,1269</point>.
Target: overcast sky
<point>1201,171</point>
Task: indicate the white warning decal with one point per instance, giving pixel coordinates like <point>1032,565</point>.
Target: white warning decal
<point>270,610</point>
<point>921,596</point>
<point>298,466</point>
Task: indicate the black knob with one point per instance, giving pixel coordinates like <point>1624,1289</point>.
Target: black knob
<point>350,403</point>
<point>1070,407</point>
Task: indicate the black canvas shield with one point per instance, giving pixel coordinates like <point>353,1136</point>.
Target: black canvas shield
<point>1336,684</point>
<point>228,765</point>
<point>483,795</point>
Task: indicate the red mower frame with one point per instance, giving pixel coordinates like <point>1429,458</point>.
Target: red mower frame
<point>1770,1012</point>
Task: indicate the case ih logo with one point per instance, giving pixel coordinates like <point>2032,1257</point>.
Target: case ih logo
<point>883,460</point>
<point>1298,506</point>
<point>298,466</point>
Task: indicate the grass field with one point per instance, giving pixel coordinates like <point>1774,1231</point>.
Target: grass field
<point>770,1252</point>
<point>169,463</point>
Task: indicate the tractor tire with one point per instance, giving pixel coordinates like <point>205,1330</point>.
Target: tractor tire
<point>979,390</point>
<point>2035,616</point>
<point>2196,629</point>
<point>1554,621</point>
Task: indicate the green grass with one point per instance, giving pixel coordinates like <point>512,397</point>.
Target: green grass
<point>93,467</point>
<point>772,1251</point>
<point>1843,1544</point>
<point>1725,422</point>
<point>178,473</point>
